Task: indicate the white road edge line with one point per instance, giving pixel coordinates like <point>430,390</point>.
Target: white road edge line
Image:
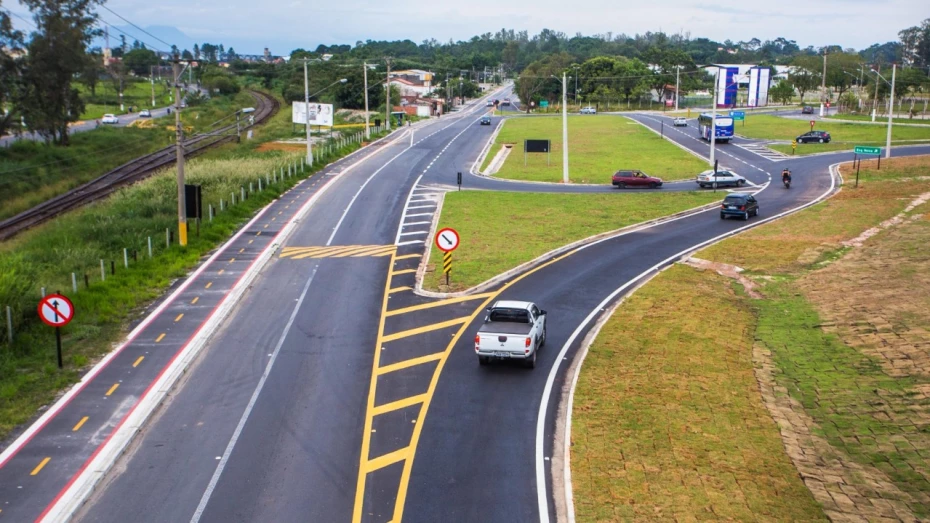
<point>541,489</point>
<point>82,486</point>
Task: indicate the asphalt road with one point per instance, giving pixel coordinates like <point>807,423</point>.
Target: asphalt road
<point>332,392</point>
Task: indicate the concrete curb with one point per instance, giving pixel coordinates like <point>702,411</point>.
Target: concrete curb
<point>564,412</point>
<point>476,166</point>
<point>500,278</point>
<point>106,456</point>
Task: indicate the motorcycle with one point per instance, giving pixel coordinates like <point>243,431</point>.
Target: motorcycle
<point>786,179</point>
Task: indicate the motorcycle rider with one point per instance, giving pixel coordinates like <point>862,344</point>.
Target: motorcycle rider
<point>786,176</point>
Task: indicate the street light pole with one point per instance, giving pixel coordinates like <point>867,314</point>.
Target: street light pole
<point>365,74</point>
<point>890,113</point>
<point>564,128</point>
<point>875,98</point>
<point>387,105</point>
<point>823,82</point>
<point>152,77</point>
<point>677,74</point>
<point>307,114</point>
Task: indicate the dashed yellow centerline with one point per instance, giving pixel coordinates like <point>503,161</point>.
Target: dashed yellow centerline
<point>160,337</point>
<point>232,260</point>
<point>40,466</point>
<point>80,424</point>
<point>195,300</point>
<point>138,361</point>
<point>112,389</point>
<point>178,318</point>
<point>426,328</point>
<point>209,284</point>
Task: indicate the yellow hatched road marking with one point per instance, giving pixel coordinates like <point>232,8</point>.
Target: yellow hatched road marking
<point>408,363</point>
<point>426,328</point>
<point>408,256</point>
<point>405,271</point>
<point>112,389</point>
<point>40,466</point>
<point>388,459</point>
<point>438,303</point>
<point>336,251</point>
<point>399,404</point>
<point>80,424</point>
<point>398,289</point>
<point>138,361</point>
<point>366,251</point>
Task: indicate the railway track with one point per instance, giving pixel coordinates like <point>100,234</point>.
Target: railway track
<point>130,172</point>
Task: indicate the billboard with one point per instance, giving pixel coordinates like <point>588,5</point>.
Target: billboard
<point>727,86</point>
<point>759,80</point>
<point>320,114</point>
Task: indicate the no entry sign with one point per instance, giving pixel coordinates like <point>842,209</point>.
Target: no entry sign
<point>56,310</point>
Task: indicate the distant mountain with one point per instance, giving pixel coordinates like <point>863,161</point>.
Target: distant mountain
<point>169,34</point>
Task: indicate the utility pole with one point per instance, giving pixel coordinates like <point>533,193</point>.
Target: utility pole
<point>875,98</point>
<point>713,118</point>
<point>387,104</point>
<point>365,74</point>
<point>677,74</point>
<point>307,113</point>
<point>890,113</point>
<point>153,85</point>
<point>179,149</point>
<point>823,82</point>
<point>564,128</point>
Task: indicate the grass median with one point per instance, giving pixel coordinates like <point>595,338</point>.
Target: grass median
<point>486,222</point>
<point>599,145</point>
<point>669,420</point>
<point>768,127</point>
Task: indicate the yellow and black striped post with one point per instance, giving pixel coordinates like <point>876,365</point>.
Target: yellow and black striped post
<point>447,264</point>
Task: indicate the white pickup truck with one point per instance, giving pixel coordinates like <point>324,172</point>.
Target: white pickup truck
<point>512,330</point>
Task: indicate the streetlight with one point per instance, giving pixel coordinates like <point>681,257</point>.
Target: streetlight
<point>307,96</point>
<point>575,67</point>
<point>564,126</point>
<point>894,68</point>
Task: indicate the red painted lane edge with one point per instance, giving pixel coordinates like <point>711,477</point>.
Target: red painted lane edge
<point>164,369</point>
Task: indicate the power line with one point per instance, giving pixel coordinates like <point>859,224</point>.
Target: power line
<point>134,25</point>
<point>111,26</point>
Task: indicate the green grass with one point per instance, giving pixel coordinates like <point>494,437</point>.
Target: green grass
<point>768,127</point>
<point>804,149</point>
<point>47,255</point>
<point>667,422</point>
<point>486,221</point>
<point>879,118</point>
<point>598,146</point>
<point>137,93</point>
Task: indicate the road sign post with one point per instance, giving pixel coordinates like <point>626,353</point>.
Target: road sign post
<point>447,240</point>
<point>56,311</point>
<point>812,125</point>
<point>738,115</point>
<point>447,265</point>
<point>459,178</point>
<point>868,150</point>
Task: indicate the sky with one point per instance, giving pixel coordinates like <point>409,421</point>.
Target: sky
<point>283,25</point>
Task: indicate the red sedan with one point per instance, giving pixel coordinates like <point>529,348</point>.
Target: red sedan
<point>634,178</point>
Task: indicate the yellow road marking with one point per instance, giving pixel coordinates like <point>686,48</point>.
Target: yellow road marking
<point>388,459</point>
<point>232,260</point>
<point>221,272</point>
<point>405,271</point>
<point>240,250</point>
<point>399,404</point>
<point>40,466</point>
<point>179,317</point>
<point>250,241</point>
<point>138,361</point>
<point>438,303</point>
<point>112,389</point>
<point>378,251</point>
<point>426,328</point>
<point>408,363</point>
<point>280,212</point>
<point>338,251</point>
<point>273,218</point>
<point>195,300</point>
<point>266,225</point>
<point>398,289</point>
<point>407,256</point>
<point>160,337</point>
<point>208,285</point>
<point>80,424</point>
<point>258,233</point>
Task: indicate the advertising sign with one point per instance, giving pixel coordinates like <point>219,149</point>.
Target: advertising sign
<point>727,86</point>
<point>320,114</point>
<point>759,80</point>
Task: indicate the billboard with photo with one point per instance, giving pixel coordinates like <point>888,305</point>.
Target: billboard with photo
<point>727,87</point>
<point>320,114</point>
<point>759,80</point>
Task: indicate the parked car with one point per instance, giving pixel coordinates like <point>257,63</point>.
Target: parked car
<point>814,136</point>
<point>723,178</point>
<point>588,110</point>
<point>681,121</point>
<point>634,178</point>
<point>109,118</point>
<point>743,205</point>
<point>512,330</point>
<point>807,110</point>
<point>485,120</point>
<point>145,113</point>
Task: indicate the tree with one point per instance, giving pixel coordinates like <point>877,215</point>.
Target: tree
<point>57,54</point>
<point>842,71</point>
<point>140,61</point>
<point>11,41</point>
<point>231,54</point>
<point>186,55</point>
<point>90,73</point>
<point>805,75</point>
<point>196,52</point>
<point>782,92</point>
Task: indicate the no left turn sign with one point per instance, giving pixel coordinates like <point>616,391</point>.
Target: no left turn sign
<point>56,310</point>
<point>447,239</point>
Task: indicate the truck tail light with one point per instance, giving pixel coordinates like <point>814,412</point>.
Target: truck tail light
<point>528,341</point>
<point>477,341</point>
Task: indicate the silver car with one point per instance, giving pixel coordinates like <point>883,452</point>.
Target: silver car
<point>724,178</point>
<point>588,110</point>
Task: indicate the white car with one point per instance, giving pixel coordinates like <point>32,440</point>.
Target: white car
<point>145,113</point>
<point>490,104</point>
<point>724,178</point>
<point>109,118</point>
<point>588,110</point>
<point>512,330</point>
<point>681,122</point>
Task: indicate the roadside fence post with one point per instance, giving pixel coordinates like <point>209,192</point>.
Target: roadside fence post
<point>267,180</point>
<point>43,292</point>
<point>282,173</point>
<point>210,211</point>
<point>242,193</point>
<point>73,282</point>
<point>103,272</point>
<point>150,246</point>
<point>274,176</point>
<point>250,188</point>
<point>167,238</point>
<point>9,324</point>
<point>86,280</point>
<point>221,205</point>
<point>259,185</point>
<point>232,198</point>
<point>125,257</point>
<point>112,267</point>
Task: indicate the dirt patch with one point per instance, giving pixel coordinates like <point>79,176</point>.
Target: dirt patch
<point>282,146</point>
<point>728,271</point>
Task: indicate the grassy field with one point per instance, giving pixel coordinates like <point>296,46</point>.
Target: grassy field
<point>768,127</point>
<point>46,256</point>
<point>486,221</point>
<point>598,146</point>
<point>880,118</point>
<point>136,93</point>
<point>847,373</point>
